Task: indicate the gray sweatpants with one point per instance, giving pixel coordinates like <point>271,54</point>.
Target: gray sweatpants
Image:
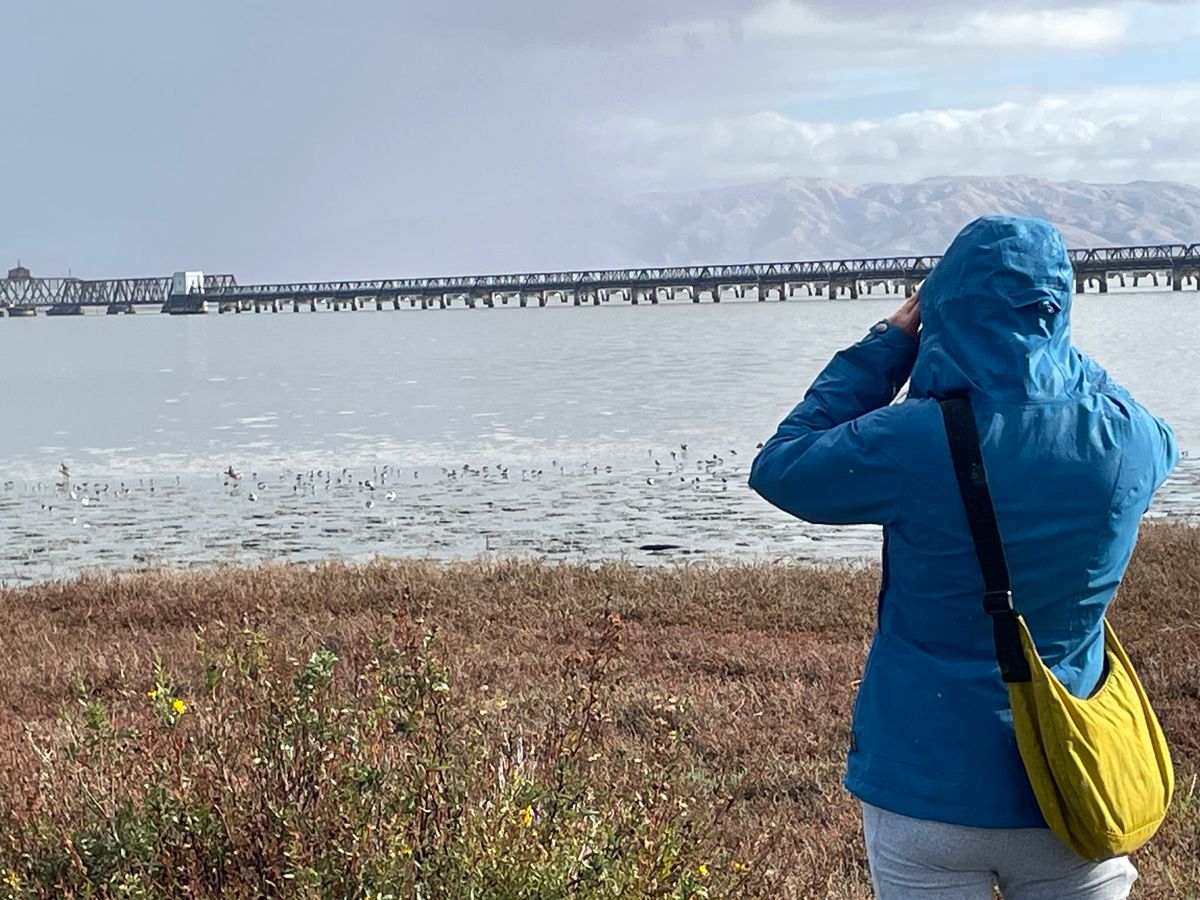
<point>913,858</point>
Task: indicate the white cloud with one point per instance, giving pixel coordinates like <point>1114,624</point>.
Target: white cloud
<point>1068,29</point>
<point>1077,28</point>
<point>1116,133</point>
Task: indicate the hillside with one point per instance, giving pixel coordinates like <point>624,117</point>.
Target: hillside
<point>813,218</point>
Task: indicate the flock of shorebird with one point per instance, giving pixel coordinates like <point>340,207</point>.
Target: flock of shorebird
<point>711,471</point>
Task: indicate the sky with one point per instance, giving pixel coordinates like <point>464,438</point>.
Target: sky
<point>377,138</point>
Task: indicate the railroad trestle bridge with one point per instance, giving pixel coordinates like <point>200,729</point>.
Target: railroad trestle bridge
<point>1097,268</point>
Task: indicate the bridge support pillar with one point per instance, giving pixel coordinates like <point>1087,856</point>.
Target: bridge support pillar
<point>185,304</point>
<point>1079,284</point>
<point>1176,280</point>
<point>850,285</point>
<point>1103,282</point>
<point>22,312</point>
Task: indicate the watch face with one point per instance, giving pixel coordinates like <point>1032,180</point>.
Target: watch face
<point>879,327</point>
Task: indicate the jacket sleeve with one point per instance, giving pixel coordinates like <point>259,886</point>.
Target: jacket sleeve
<point>829,462</point>
<point>1162,449</point>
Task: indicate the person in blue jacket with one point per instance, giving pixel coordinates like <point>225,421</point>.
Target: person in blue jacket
<point>1072,461</point>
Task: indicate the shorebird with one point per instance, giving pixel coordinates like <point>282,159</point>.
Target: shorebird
<point>232,473</point>
<point>64,470</point>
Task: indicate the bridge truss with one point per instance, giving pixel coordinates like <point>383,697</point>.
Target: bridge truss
<point>26,291</point>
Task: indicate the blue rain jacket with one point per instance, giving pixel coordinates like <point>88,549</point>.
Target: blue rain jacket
<point>1072,461</point>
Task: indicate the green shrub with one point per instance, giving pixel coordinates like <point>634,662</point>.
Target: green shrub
<point>370,777</point>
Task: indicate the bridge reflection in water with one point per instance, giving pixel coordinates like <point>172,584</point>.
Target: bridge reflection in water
<point>23,294</point>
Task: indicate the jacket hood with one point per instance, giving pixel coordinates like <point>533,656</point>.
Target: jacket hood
<point>995,315</point>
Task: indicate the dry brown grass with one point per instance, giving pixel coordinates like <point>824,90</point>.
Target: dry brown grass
<point>765,657</point>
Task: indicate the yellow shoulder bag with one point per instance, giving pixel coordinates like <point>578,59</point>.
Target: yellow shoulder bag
<point>1100,767</point>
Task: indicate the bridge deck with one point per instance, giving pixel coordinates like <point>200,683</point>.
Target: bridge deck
<point>20,292</point>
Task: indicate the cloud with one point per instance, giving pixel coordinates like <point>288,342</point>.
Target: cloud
<point>619,23</point>
<point>1045,26</point>
<point>1068,29</point>
<point>1109,133</point>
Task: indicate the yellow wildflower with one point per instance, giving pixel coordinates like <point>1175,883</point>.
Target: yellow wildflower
<point>152,694</point>
<point>703,870</point>
<point>740,866</point>
<point>178,706</point>
<point>406,850</point>
<point>527,816</point>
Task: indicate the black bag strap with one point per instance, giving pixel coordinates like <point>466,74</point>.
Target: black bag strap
<point>963,436</point>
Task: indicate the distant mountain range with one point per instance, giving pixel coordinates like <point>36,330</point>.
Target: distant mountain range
<point>814,218</point>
